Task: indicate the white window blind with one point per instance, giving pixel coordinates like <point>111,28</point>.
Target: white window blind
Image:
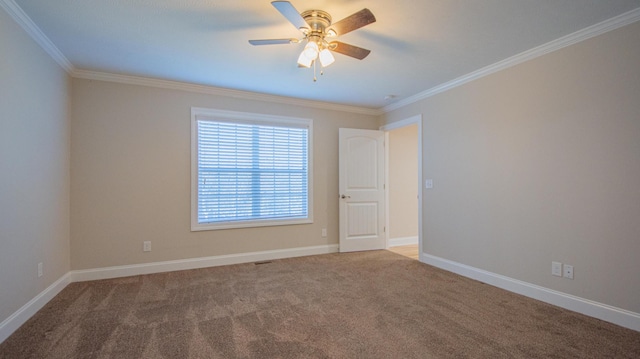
<point>251,172</point>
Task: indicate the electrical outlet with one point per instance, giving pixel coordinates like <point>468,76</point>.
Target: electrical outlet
<point>568,271</point>
<point>146,246</point>
<point>556,269</point>
<point>324,232</point>
<point>40,270</point>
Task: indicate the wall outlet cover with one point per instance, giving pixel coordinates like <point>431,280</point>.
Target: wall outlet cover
<point>568,271</point>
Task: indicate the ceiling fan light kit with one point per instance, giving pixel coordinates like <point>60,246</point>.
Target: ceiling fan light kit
<point>317,27</point>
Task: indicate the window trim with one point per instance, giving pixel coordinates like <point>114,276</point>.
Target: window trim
<point>198,113</point>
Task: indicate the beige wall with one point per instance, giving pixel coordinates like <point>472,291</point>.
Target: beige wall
<point>540,163</point>
<point>403,182</point>
<point>130,160</point>
<point>34,168</point>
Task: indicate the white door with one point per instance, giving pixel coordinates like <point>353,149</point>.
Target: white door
<point>361,190</point>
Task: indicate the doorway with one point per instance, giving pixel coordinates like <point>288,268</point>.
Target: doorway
<point>403,176</point>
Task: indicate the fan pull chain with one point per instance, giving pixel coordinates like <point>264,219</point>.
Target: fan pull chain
<point>314,71</point>
<point>315,78</point>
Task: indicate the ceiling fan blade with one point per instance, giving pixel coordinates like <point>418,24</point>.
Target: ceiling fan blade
<point>290,12</point>
<point>274,42</point>
<point>353,22</point>
<point>349,50</point>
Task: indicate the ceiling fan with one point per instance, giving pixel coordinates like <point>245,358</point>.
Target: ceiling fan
<point>318,31</point>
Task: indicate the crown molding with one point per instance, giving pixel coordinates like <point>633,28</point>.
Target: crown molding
<point>34,31</point>
<point>218,91</point>
<point>39,37</point>
<point>36,34</point>
<point>568,40</point>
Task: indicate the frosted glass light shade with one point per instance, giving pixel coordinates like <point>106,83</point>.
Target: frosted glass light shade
<point>326,58</point>
<point>304,61</point>
<point>311,50</point>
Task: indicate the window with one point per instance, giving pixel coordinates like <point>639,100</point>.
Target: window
<point>249,170</point>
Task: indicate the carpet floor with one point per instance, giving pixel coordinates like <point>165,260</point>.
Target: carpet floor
<point>357,305</point>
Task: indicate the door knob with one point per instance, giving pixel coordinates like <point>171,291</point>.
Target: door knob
<point>343,196</point>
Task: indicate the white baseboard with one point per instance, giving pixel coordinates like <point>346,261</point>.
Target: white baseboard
<point>402,241</point>
<point>15,320</point>
<point>605,312</point>
<point>194,263</point>
<point>622,317</point>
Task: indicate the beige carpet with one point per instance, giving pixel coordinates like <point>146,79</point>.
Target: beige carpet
<point>359,305</point>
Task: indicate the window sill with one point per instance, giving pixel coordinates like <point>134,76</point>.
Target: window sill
<point>195,227</point>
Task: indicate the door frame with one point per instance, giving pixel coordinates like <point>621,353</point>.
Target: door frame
<point>413,120</point>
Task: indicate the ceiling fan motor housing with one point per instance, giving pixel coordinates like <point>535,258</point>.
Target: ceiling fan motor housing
<point>318,21</point>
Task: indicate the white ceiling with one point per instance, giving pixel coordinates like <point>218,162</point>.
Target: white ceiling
<point>415,45</point>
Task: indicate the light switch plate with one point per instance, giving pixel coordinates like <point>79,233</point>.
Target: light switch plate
<point>428,184</point>
<point>556,269</point>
